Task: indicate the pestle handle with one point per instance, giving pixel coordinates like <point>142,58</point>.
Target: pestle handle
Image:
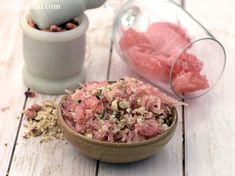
<point>64,10</point>
<point>91,4</point>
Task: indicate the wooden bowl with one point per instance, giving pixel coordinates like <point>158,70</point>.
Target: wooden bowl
<point>116,152</point>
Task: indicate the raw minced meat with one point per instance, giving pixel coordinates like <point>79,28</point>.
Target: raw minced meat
<point>124,111</point>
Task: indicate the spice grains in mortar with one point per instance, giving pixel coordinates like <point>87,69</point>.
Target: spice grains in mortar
<point>72,24</point>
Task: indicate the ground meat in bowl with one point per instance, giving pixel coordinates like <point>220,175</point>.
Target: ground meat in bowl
<point>123,111</point>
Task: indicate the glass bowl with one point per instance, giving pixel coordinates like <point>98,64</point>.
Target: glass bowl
<point>167,46</point>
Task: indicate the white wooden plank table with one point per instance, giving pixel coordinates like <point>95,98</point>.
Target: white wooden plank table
<point>204,143</point>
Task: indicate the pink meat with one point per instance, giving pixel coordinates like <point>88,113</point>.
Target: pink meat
<point>165,37</point>
<point>148,128</point>
<point>189,82</point>
<point>79,95</point>
<point>149,63</point>
<point>133,38</point>
<point>90,115</point>
<point>187,63</point>
<point>152,54</point>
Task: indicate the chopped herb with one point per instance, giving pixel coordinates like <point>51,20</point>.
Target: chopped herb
<point>88,135</point>
<point>80,86</point>
<point>36,132</point>
<point>112,82</point>
<point>128,110</point>
<point>102,115</point>
<point>114,113</point>
<point>124,104</point>
<point>115,105</point>
<point>98,94</point>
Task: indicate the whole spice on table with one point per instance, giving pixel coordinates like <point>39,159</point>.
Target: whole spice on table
<point>30,94</point>
<point>36,107</point>
<point>30,113</point>
<point>72,24</point>
<point>42,121</point>
<point>4,109</point>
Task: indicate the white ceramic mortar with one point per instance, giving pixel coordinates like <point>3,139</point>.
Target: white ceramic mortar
<point>54,60</point>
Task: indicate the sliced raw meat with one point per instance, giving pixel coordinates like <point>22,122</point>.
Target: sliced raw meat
<point>187,63</point>
<point>133,38</point>
<point>149,64</point>
<point>189,82</point>
<point>165,37</point>
<point>153,53</point>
